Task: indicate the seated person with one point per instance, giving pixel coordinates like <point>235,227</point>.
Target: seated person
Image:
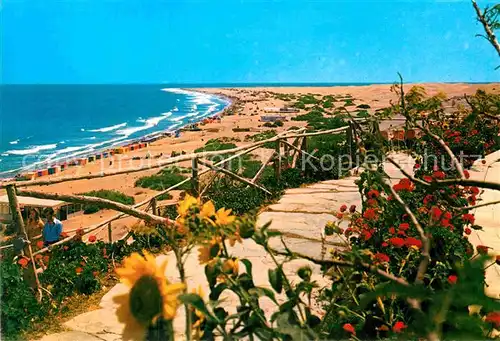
<point>52,229</point>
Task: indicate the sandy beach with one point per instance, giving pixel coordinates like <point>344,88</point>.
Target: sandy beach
<point>248,105</point>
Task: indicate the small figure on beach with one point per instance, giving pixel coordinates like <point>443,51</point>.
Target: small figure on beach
<point>34,225</point>
<point>52,229</point>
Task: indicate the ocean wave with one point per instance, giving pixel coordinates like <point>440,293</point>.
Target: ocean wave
<point>149,123</point>
<point>175,109</point>
<point>198,98</point>
<point>180,118</point>
<point>107,129</point>
<point>14,142</point>
<point>32,150</point>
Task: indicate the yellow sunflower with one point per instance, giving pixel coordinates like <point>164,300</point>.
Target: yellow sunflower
<point>231,266</point>
<point>207,211</point>
<point>150,297</point>
<point>186,204</point>
<point>223,217</point>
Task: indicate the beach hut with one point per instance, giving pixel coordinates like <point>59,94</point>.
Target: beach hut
<point>29,175</point>
<point>53,170</point>
<point>105,155</point>
<point>98,156</point>
<point>81,162</point>
<point>63,166</point>
<point>121,150</point>
<point>25,203</point>
<point>91,158</point>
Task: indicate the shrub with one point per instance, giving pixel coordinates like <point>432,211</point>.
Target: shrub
<point>112,195</point>
<point>363,106</point>
<point>162,180</point>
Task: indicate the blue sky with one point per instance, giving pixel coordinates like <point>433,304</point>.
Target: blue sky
<point>231,41</point>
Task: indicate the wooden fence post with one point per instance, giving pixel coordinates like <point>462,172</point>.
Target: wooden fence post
<point>154,208</point>
<point>194,176</point>
<point>110,234</point>
<point>277,160</point>
<point>29,273</point>
<point>350,137</point>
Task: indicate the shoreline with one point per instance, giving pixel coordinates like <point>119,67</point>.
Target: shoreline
<point>66,162</point>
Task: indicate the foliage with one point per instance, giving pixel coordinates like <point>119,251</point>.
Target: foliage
<point>274,124</point>
<point>112,195</point>
<point>163,180</point>
<point>265,135</point>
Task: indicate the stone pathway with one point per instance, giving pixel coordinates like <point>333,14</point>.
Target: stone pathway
<point>489,218</point>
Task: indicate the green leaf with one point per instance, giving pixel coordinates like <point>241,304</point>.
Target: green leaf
<point>291,329</point>
<point>260,291</point>
<point>217,291</point>
<point>248,266</point>
<point>197,302</point>
<point>275,279</point>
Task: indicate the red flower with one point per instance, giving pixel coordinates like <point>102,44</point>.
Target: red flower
<point>439,175</point>
<point>384,244</point>
<point>404,185</point>
<point>23,262</point>
<point>497,260</point>
<point>410,241</point>
<point>417,166</point>
<point>392,230</point>
<point>65,247</point>
<point>95,273</point>
<point>466,173</point>
<point>343,208</point>
<point>482,249</point>
<point>349,328</point>
<point>382,257</point>
<point>436,213</point>
<point>38,257</point>
<point>348,232</point>
<point>92,238</point>
<point>483,162</point>
<point>493,318</point>
<point>404,226</point>
<point>78,270</point>
<point>366,234</point>
<point>372,202</point>
<point>39,244</point>
<point>427,178</point>
<point>447,215</point>
<point>352,209</point>
<point>396,242</point>
<point>428,198</point>
<point>339,215</point>
<point>452,279</point>
<point>373,193</point>
<point>467,231</point>
<point>469,218</point>
<point>399,326</point>
<point>370,214</point>
<point>46,259</point>
<point>474,190</point>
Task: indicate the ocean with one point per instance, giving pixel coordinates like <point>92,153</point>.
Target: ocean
<point>45,124</point>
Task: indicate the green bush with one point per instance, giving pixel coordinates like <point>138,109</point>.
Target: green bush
<point>263,136</point>
<point>313,115</point>
<point>162,180</point>
<point>362,113</point>
<point>106,194</point>
<point>19,305</point>
<point>165,196</point>
<point>299,105</point>
<point>251,168</point>
<point>363,106</point>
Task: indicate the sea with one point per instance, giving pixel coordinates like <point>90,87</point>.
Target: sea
<point>41,125</point>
